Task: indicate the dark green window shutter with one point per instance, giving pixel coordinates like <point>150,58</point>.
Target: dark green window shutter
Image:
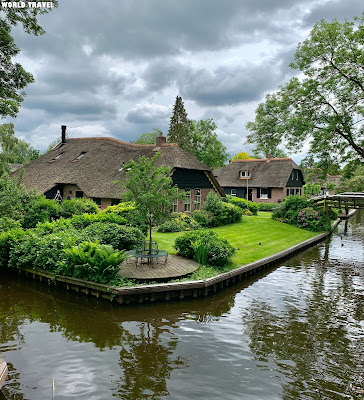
<point>258,193</point>
<point>269,193</point>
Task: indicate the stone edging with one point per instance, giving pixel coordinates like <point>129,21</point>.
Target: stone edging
<point>178,290</point>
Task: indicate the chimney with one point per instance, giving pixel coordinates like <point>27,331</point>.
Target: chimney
<point>160,140</point>
<point>63,138</point>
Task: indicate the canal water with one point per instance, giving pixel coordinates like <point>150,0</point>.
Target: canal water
<point>296,332</point>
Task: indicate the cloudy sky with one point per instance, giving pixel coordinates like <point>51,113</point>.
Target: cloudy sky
<point>115,68</point>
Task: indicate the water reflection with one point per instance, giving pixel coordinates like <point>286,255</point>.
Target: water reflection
<point>293,333</point>
<point>315,335</point>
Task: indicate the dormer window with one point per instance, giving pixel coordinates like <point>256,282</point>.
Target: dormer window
<point>79,156</point>
<point>56,157</point>
<point>244,174</point>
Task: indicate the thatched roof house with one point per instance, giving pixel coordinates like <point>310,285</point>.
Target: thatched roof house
<point>265,180</point>
<point>89,167</point>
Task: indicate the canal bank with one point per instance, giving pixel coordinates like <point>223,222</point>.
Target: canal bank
<point>176,290</point>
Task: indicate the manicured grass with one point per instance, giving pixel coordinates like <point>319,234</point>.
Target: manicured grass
<point>274,236</point>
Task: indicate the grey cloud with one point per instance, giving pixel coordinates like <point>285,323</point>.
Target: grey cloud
<point>226,86</point>
<point>148,29</point>
<point>333,9</point>
<point>90,108</point>
<point>148,113</point>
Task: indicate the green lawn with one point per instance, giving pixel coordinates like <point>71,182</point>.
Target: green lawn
<point>274,236</point>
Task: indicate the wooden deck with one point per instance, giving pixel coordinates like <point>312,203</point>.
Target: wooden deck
<point>176,266</point>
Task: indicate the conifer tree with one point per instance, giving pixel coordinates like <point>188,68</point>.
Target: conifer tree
<point>179,126</point>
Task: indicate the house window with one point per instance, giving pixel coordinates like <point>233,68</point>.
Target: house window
<point>197,199</point>
<point>293,191</point>
<point>79,194</point>
<point>175,206</point>
<point>115,202</point>
<point>97,200</point>
<point>79,156</point>
<point>297,175</point>
<point>263,193</point>
<point>233,192</point>
<point>245,174</point>
<point>187,200</point>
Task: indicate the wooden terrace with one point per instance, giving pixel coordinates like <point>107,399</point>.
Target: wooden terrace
<point>175,267</point>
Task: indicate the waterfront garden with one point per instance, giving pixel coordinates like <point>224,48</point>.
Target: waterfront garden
<point>77,239</point>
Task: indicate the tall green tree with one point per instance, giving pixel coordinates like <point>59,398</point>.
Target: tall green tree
<point>148,137</point>
<point>13,77</point>
<point>326,105</point>
<point>151,189</point>
<point>13,150</point>
<point>267,131</point>
<point>179,126</point>
<point>205,145</point>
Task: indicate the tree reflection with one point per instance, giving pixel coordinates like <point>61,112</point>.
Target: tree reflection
<point>147,363</point>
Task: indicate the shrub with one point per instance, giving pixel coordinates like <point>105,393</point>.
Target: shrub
<point>204,218</point>
<point>183,243</point>
<point>128,211</point>
<point>47,228</point>
<point>8,223</point>
<point>81,206</point>
<point>8,240</point>
<point>179,222</point>
<point>247,212</point>
<point>39,209</point>
<point>219,249</point>
<point>92,262</point>
<point>13,197</point>
<point>119,237</point>
<point>242,203</point>
<point>122,209</point>
<point>267,206</point>
<point>41,252</point>
<point>313,220</point>
<point>224,213</point>
<point>298,211</point>
<point>289,208</point>
<point>220,252</point>
<point>84,220</point>
<point>173,225</point>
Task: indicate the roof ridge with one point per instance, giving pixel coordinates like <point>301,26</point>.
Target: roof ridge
<point>111,139</point>
<point>264,159</point>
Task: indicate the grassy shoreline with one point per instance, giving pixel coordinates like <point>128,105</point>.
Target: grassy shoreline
<point>245,236</point>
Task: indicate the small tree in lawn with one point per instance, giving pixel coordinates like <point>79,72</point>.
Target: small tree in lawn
<point>151,189</point>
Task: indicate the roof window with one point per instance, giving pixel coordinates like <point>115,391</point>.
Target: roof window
<point>56,157</point>
<point>245,174</point>
<point>79,156</point>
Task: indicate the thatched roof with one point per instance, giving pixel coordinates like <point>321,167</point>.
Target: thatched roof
<point>273,172</point>
<point>97,170</point>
